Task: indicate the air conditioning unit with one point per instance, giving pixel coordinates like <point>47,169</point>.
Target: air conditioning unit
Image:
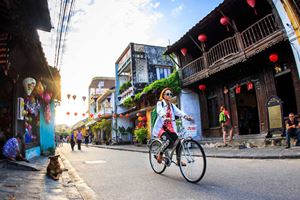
<point>20,108</point>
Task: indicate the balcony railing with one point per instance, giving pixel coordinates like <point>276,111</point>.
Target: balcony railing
<point>241,44</point>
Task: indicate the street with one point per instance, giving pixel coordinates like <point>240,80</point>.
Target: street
<point>115,174</point>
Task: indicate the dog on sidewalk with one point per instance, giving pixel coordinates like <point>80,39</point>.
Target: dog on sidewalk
<point>54,169</point>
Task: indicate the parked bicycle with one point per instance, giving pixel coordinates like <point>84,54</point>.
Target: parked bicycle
<point>192,159</point>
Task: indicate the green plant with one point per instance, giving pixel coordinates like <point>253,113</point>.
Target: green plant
<point>140,134</point>
<point>128,102</point>
<point>124,87</point>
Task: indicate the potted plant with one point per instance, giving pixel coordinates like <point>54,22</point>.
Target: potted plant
<point>141,134</point>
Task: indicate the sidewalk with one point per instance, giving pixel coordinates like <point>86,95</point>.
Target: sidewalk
<point>226,152</point>
<point>20,180</point>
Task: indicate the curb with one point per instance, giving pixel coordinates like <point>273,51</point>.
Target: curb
<point>73,180</point>
<point>212,155</point>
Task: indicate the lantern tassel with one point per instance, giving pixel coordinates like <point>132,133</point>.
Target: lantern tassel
<point>255,11</point>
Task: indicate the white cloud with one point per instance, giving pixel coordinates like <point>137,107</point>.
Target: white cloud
<point>155,5</point>
<point>102,32</point>
<point>176,11</point>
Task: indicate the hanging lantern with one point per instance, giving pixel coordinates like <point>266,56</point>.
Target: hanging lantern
<point>202,38</point>
<point>91,115</point>
<point>145,119</point>
<point>273,57</point>
<point>249,85</point>
<point>202,87</point>
<point>68,95</point>
<point>183,51</point>
<point>68,113</point>
<point>115,116</point>
<point>252,3</point>
<point>238,89</point>
<point>83,98</point>
<point>127,115</point>
<point>107,115</point>
<point>138,114</point>
<point>83,114</point>
<point>99,115</point>
<point>74,97</point>
<point>140,119</point>
<point>75,114</point>
<point>225,22</point>
<point>108,99</point>
<point>119,98</point>
<point>121,115</point>
<point>29,84</point>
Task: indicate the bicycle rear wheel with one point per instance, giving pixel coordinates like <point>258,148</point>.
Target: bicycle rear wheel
<point>193,156</point>
<point>153,152</point>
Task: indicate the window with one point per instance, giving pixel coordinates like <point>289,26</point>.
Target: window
<point>213,112</point>
<point>162,72</point>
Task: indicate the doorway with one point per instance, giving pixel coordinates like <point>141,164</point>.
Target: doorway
<point>286,92</point>
<point>247,111</point>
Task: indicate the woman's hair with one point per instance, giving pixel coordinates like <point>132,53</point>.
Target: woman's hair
<point>161,96</point>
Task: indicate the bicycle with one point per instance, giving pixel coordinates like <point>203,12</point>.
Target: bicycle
<point>191,154</point>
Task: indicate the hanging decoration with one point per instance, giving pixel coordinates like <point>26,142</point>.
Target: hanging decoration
<point>249,85</point>
<point>83,98</point>
<point>127,115</point>
<point>29,84</point>
<point>274,58</point>
<point>68,113</point>
<point>95,98</point>
<point>68,96</point>
<point>83,114</point>
<point>99,115</point>
<point>202,87</point>
<point>145,119</point>
<point>115,116</point>
<point>202,38</point>
<point>225,21</point>
<point>121,115</point>
<point>39,89</point>
<point>138,114</point>
<point>91,115</point>
<point>47,97</point>
<point>252,3</point>
<point>74,97</point>
<point>183,51</point>
<point>140,118</point>
<point>108,99</point>
<point>47,113</point>
<point>238,89</point>
<point>75,114</point>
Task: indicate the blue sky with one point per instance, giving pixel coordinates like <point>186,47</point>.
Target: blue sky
<point>100,31</point>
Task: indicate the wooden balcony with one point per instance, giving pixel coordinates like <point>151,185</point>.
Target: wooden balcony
<point>259,36</point>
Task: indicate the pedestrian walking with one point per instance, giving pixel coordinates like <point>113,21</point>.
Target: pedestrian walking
<point>224,119</point>
<point>79,139</point>
<point>72,142</point>
<point>86,140</point>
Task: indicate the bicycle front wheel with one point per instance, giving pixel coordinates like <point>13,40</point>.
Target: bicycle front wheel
<point>192,161</point>
<point>154,150</point>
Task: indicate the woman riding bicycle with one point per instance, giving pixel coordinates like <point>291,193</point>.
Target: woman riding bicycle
<point>165,125</point>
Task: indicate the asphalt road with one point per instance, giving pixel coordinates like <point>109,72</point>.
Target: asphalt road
<point>115,174</point>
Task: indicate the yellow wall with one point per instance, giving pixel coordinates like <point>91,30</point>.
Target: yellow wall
<point>148,115</point>
<point>292,15</point>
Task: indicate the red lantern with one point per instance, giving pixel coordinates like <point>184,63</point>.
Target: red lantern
<point>74,97</point>
<point>115,116</point>
<point>249,85</point>
<point>84,98</point>
<point>121,115</point>
<point>91,115</point>
<point>183,51</point>
<point>127,115</point>
<point>138,114</point>
<point>75,114</point>
<point>238,89</point>
<point>68,95</point>
<point>68,113</point>
<point>251,3</point>
<point>99,115</point>
<point>107,115</point>
<point>202,87</point>
<point>83,114</point>
<point>202,38</point>
<point>273,57</point>
<point>224,21</point>
<point>144,119</point>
